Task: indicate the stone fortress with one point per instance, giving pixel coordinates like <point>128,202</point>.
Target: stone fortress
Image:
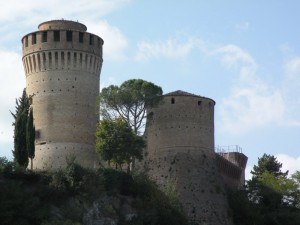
<point>180,150</point>
<point>62,63</point>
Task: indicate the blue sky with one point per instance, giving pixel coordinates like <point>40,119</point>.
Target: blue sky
<point>244,55</point>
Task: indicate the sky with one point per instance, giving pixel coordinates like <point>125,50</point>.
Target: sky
<point>243,54</point>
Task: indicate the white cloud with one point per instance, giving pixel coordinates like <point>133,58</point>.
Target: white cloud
<point>251,102</point>
<point>248,174</point>
<point>292,164</point>
<point>233,56</point>
<point>290,87</point>
<point>249,108</point>
<point>292,69</point>
<point>12,83</point>
<point>171,48</point>
<point>115,42</point>
<point>17,20</point>
<point>110,80</point>
<point>57,9</point>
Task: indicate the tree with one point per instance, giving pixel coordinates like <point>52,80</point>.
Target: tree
<point>270,164</point>
<point>117,143</point>
<point>274,195</point>
<point>296,195</point>
<point>20,147</point>
<point>30,137</point>
<point>129,101</point>
<point>267,176</point>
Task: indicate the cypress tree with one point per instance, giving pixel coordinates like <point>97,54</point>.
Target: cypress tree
<point>30,137</point>
<point>20,147</point>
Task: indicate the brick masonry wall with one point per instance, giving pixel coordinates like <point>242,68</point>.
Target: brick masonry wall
<point>62,64</point>
<point>180,150</point>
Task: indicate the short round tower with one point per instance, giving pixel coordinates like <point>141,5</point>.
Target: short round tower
<point>180,152</point>
<point>182,121</point>
<point>62,63</point>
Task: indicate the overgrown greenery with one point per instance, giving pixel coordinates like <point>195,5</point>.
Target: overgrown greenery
<point>62,197</point>
<point>130,101</point>
<point>270,197</point>
<point>117,143</point>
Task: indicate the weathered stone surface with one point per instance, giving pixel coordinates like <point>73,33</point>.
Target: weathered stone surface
<point>180,149</point>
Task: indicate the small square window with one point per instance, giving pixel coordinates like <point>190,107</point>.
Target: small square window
<point>56,35</point>
<point>44,36</point>
<point>69,36</point>
<point>91,39</point>
<point>33,40</point>
<point>80,37</point>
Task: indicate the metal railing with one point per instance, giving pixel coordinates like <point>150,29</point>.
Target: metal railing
<point>229,148</point>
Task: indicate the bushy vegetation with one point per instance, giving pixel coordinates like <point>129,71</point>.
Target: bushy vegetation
<point>270,196</point>
<point>117,143</point>
<point>44,197</point>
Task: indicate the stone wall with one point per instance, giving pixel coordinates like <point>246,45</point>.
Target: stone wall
<point>180,150</point>
<point>231,166</point>
<point>195,175</point>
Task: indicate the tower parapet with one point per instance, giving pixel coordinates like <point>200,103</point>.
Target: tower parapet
<point>62,63</point>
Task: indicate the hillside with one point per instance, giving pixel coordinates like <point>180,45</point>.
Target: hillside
<point>79,196</point>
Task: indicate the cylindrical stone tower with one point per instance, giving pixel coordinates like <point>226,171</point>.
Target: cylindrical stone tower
<point>182,120</point>
<point>62,64</point>
<point>180,152</point>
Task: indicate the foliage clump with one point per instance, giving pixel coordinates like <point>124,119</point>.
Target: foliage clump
<point>129,101</point>
<point>117,143</point>
<point>269,197</point>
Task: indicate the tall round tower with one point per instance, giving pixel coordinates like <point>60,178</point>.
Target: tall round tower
<point>180,152</point>
<point>62,63</point>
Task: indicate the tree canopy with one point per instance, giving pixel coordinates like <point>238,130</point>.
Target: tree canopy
<point>117,143</point>
<point>268,163</point>
<point>129,101</point>
<point>270,197</point>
